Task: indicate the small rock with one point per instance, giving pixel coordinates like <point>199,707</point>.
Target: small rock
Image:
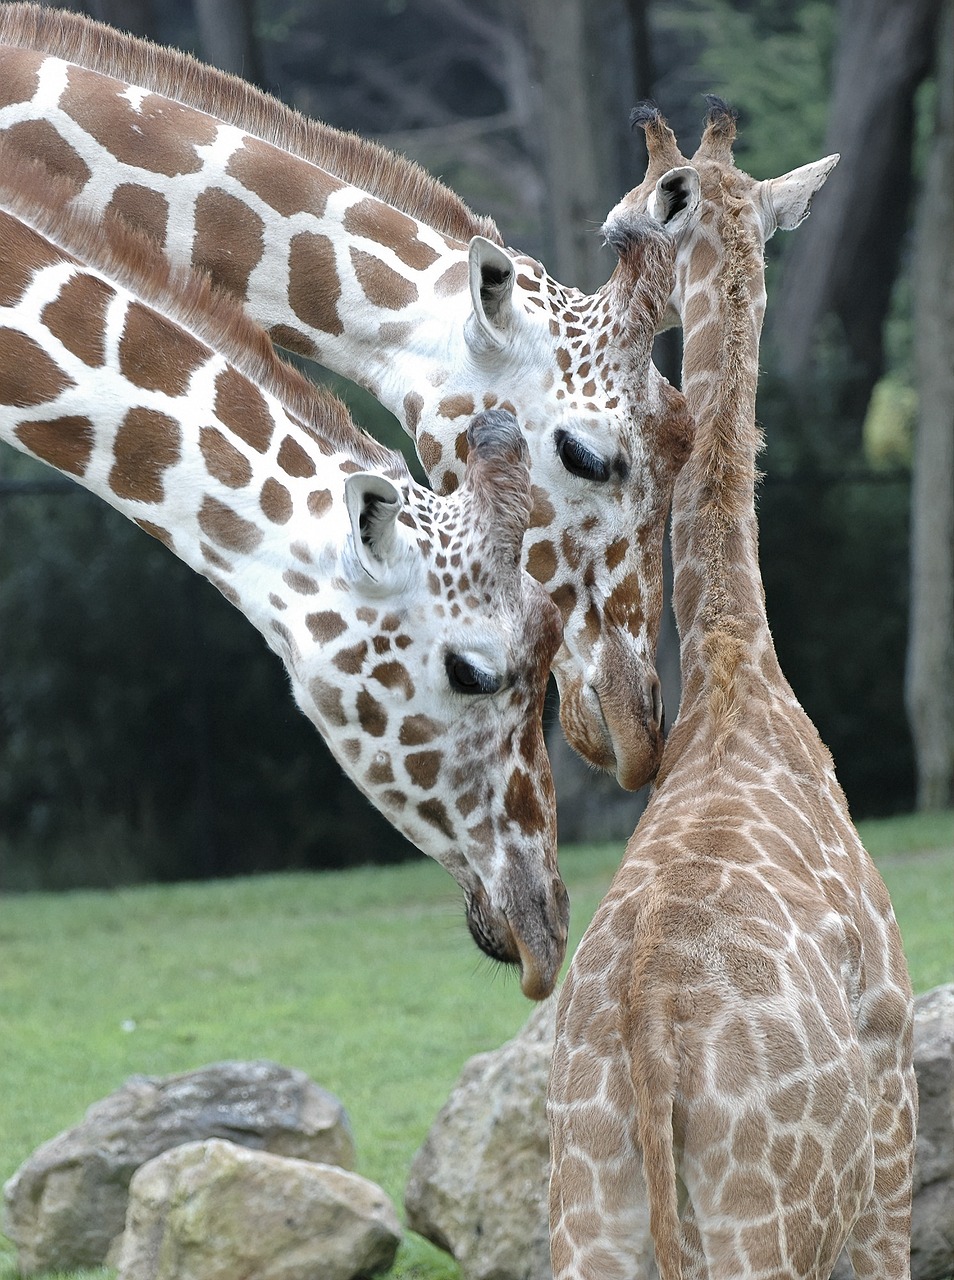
<point>214,1211</point>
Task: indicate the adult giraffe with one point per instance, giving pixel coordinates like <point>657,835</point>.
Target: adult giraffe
<point>732,1086</point>
<point>413,639</point>
<point>352,256</point>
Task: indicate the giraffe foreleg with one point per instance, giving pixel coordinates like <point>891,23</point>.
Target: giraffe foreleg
<point>880,1242</point>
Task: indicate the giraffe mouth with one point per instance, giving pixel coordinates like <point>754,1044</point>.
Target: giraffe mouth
<point>616,725</point>
<point>532,936</point>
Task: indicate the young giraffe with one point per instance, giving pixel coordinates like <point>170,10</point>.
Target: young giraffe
<point>352,256</point>
<point>414,640</point>
<point>732,1087</point>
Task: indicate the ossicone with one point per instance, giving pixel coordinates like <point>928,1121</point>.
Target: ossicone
<point>719,133</point>
<point>661,142</point>
<point>498,469</point>
<point>647,263</point>
<point>495,432</point>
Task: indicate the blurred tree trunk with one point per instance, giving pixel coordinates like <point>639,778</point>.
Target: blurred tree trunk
<point>578,123</point>
<point>844,261</point>
<point>929,679</point>
<point>227,36</point>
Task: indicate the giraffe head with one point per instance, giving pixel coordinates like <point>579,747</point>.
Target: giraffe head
<point>414,639</point>
<point>428,682</point>
<point>607,436</point>
<point>352,256</point>
<point>691,196</point>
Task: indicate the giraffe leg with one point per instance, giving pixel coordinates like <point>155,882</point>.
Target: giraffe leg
<point>599,1217</point>
<point>599,1226</point>
<point>880,1242</point>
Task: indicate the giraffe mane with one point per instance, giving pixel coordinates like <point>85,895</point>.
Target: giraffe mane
<point>173,74</point>
<point>188,298</point>
<point>724,433</point>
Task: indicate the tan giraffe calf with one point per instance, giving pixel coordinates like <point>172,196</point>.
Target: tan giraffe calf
<point>732,1090</point>
<point>352,256</point>
<point>413,639</point>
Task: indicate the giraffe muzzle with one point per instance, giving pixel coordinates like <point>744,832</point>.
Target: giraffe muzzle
<point>532,934</point>
<point>617,726</point>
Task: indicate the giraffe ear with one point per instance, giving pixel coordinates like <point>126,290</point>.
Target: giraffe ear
<point>491,290</point>
<point>675,199</point>
<point>374,504</point>
<point>789,198</point>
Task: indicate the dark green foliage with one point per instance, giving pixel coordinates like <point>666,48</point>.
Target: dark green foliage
<point>834,552</point>
<point>146,732</point>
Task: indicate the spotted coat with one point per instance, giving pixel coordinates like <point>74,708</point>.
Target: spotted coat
<point>413,638</point>
<point>352,256</point>
<point>732,1091</point>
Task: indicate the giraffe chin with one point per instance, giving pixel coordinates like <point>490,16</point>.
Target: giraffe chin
<point>618,734</point>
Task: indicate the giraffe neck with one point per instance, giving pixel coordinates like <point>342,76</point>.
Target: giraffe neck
<point>128,388</point>
<point>265,201</point>
<point>718,596</point>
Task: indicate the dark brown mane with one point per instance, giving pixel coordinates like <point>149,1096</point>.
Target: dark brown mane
<point>124,256</point>
<point>181,77</point>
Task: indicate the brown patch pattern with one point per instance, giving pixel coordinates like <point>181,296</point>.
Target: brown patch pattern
<point>226,463</point>
<point>147,444</point>
<point>374,220</point>
<point>226,528</point>
<point>229,239</point>
<point>284,184</point>
<point>275,501</point>
<point>27,374</point>
<point>241,407</point>
<point>65,443</point>
<point>294,460</point>
<point>159,135</point>
<point>147,211</point>
<point>381,284</point>
<point>83,295</point>
<point>157,355</point>
<point>313,285</point>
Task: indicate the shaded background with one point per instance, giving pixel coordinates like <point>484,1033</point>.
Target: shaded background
<point>145,731</point>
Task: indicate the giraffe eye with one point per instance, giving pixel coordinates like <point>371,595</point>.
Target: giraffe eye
<point>464,677</point>
<point>579,460</point>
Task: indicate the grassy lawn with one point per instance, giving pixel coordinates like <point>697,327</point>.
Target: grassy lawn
<point>367,980</point>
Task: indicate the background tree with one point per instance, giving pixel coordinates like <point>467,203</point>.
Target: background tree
<point>929,681</point>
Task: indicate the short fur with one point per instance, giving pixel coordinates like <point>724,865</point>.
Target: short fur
<point>180,76</point>
<point>37,197</point>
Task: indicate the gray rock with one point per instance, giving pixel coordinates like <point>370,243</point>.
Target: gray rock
<point>65,1205</point>
<point>932,1218</point>
<point>214,1211</point>
<point>478,1186</point>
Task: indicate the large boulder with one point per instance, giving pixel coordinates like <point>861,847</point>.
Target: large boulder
<point>67,1203</point>
<point>214,1211</point>
<point>478,1185</point>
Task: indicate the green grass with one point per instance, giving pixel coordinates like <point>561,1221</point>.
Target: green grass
<point>367,980</point>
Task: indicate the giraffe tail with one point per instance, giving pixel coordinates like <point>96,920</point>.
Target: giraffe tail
<point>654,1072</point>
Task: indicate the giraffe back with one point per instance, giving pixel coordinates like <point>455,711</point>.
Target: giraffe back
<point>353,256</point>
<point>412,637</point>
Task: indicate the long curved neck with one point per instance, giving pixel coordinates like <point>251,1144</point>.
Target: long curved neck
<point>332,270</point>
<point>140,409</point>
<point>718,596</point>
